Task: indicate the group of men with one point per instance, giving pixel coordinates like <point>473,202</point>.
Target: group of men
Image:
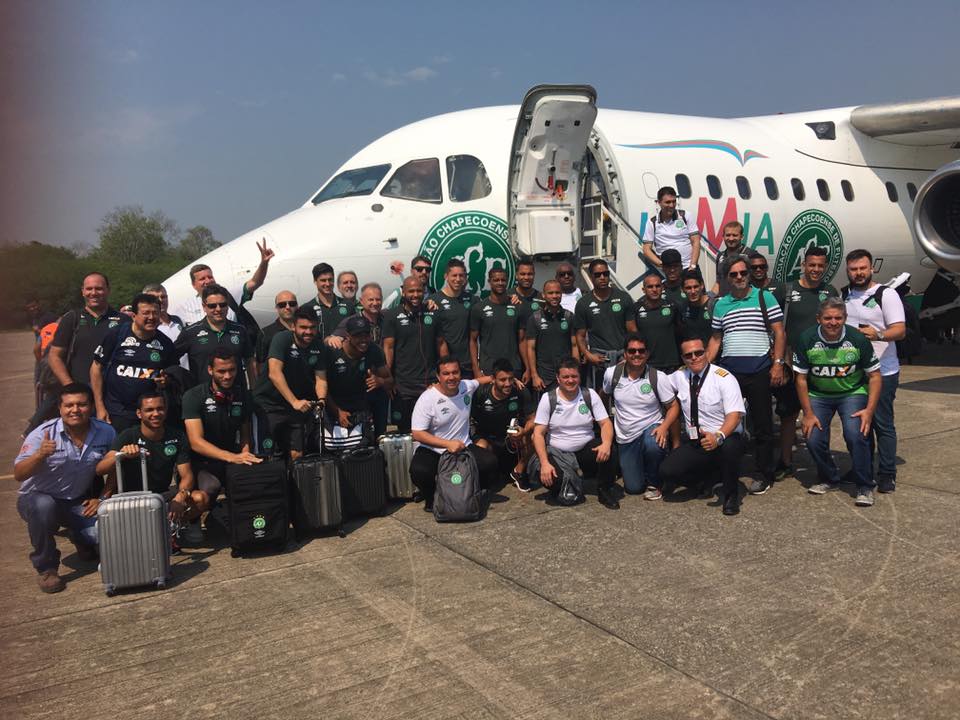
<point>524,379</point>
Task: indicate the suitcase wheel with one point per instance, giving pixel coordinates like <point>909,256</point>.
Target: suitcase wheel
<point>341,533</point>
<point>234,554</point>
<point>110,591</point>
<point>161,584</point>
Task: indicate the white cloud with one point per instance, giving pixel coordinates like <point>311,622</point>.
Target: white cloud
<point>392,78</point>
<point>338,77</point>
<point>419,74</point>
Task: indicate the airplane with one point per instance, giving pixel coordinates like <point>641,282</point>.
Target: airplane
<point>559,179</point>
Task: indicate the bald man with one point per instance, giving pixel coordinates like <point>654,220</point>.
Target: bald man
<point>412,345</point>
<point>286,304</point>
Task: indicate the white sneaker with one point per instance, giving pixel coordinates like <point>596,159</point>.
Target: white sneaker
<point>864,497</point>
<point>652,493</point>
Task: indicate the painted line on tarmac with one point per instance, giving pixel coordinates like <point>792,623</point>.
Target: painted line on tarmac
<point>16,377</point>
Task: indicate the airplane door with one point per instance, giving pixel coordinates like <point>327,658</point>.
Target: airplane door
<point>546,169</point>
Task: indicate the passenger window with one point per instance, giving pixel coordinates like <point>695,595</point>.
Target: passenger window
<point>773,192</point>
<point>847,189</point>
<point>466,178</point>
<point>683,186</point>
<point>798,192</point>
<point>892,191</point>
<point>743,187</point>
<point>912,191</point>
<point>823,189</point>
<point>713,187</point>
<point>416,180</point>
<point>350,183</point>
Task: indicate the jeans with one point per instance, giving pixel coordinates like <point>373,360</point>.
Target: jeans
<point>44,515</point>
<point>818,444</point>
<point>884,430</point>
<point>640,461</point>
<point>755,388</point>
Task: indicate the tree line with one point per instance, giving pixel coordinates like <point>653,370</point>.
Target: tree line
<point>134,248</point>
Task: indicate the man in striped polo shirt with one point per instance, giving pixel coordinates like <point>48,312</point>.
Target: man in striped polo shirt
<point>743,322</point>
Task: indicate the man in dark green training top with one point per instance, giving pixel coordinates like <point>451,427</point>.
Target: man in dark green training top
<point>286,393</point>
<point>549,338</point>
<point>452,309</point>
<point>837,371</point>
<point>329,308</point>
<point>525,296</point>
<point>800,301</point>
<point>602,319</point>
<point>695,316</point>
<point>658,323</point>
<point>672,282</point>
<point>495,329</point>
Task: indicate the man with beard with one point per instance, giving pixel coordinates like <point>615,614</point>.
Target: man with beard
<point>347,284</point>
<point>567,277</point>
<point>549,338</point>
<point>733,246</point>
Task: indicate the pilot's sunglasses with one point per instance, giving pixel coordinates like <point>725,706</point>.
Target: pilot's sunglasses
<point>422,268</point>
<point>636,351</point>
<point>693,354</point>
<point>288,304</point>
<point>215,306</point>
<point>602,273</point>
<point>737,273</point>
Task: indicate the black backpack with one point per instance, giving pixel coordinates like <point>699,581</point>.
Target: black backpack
<point>652,374</point>
<point>458,497</point>
<point>912,344</point>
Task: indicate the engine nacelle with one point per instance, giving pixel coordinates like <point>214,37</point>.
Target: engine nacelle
<point>936,216</point>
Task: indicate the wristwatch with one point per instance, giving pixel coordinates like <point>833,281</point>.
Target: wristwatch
<point>720,437</point>
<point>879,334</point>
<point>780,361</point>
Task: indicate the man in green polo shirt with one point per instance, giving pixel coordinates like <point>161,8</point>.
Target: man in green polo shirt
<point>495,329</point>
<point>658,323</point>
<point>696,318</point>
<point>837,371</point>
<point>217,419</point>
<point>329,308</point>
<point>451,305</point>
<point>549,338</point>
<point>800,302</point>
<point>292,384</point>
<point>525,296</point>
<point>602,319</point>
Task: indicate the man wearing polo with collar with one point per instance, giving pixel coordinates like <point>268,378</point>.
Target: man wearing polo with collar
<point>671,228</point>
<point>733,246</point>
<point>56,468</point>
<point>639,395</point>
<point>496,330</point>
<point>658,323</point>
<point>567,277</point>
<point>672,270</point>
<point>329,308</point>
<point>549,338</point>
<point>453,303</point>
<point>712,408</point>
<point>606,313</point>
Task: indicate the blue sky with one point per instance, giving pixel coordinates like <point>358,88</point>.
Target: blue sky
<point>228,114</point>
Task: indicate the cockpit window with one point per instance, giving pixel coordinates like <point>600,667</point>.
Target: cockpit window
<point>466,178</point>
<point>416,180</point>
<point>350,183</point>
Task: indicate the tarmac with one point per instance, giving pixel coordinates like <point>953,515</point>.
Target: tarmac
<point>800,607</point>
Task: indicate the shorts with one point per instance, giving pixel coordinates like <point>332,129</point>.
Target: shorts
<point>281,431</point>
<point>211,478</point>
<point>788,402</point>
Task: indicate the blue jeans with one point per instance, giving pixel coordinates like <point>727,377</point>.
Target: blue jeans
<point>884,430</point>
<point>45,515</point>
<point>857,445</point>
<point>640,461</point>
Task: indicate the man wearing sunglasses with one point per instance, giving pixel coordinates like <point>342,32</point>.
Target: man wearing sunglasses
<point>286,305</point>
<point>198,341</point>
<point>607,315</point>
<point>758,272</point>
<point>566,276</point>
<point>712,408</point>
<point>743,322</point>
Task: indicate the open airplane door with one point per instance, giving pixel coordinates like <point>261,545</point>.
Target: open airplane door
<point>546,163</point>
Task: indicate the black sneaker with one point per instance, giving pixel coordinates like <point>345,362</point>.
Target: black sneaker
<point>607,499</point>
<point>886,485</point>
<point>759,486</point>
<point>520,481</point>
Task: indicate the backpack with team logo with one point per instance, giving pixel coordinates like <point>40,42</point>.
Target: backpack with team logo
<point>458,497</point>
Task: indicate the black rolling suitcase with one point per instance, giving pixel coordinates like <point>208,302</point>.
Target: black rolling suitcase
<point>363,482</point>
<point>257,506</point>
<point>315,484</point>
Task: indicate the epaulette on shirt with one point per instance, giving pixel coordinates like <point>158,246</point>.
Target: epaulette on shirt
<point>721,372</point>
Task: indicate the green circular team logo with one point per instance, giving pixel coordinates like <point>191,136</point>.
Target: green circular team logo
<point>466,305</point>
<point>823,294</point>
<point>456,479</point>
<point>665,311</point>
<point>397,414</point>
<point>583,410</point>
<point>706,314</point>
<point>268,444</point>
<point>850,356</point>
<point>680,224</point>
<point>259,522</point>
<point>343,309</point>
<point>534,306</point>
<point>428,320</point>
<point>312,360</point>
<point>645,388</point>
<point>564,325</point>
<point>481,240</point>
<point>811,228</point>
<point>235,411</point>
<point>616,307</point>
<point>169,450</point>
<point>155,356</point>
<point>512,407</point>
<point>466,399</point>
<point>511,312</point>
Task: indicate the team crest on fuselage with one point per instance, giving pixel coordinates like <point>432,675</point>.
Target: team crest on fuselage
<point>480,239</point>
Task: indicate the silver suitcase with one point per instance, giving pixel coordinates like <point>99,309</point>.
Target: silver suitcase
<point>398,452</point>
<point>134,537</point>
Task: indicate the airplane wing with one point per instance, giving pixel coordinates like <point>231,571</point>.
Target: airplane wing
<point>918,123</point>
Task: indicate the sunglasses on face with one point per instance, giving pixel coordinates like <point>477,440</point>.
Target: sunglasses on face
<point>636,351</point>
<point>693,354</point>
<point>287,304</point>
<point>737,273</point>
<point>565,273</point>
<point>602,273</point>
<point>422,268</point>
<point>217,306</point>
<point>759,267</point>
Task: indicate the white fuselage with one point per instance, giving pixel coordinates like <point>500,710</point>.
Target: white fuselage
<point>642,151</point>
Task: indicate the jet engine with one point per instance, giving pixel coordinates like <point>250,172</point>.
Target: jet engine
<point>936,216</point>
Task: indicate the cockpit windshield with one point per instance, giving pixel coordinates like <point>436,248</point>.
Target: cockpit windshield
<point>350,183</point>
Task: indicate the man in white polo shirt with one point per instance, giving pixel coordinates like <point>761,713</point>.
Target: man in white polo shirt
<point>671,228</point>
<point>441,423</point>
<point>639,395</point>
<point>877,312</point>
<point>563,439</point>
<point>712,408</point>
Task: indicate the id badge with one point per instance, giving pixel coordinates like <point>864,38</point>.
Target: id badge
<point>692,432</point>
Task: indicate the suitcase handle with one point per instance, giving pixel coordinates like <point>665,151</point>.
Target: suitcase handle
<point>143,468</point>
<point>363,452</point>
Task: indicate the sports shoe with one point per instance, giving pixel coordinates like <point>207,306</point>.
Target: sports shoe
<point>731,504</point>
<point>607,499</point>
<point>822,488</point>
<point>652,493</point>
<point>886,484</point>
<point>758,486</point>
<point>520,481</point>
<point>50,582</point>
<point>782,471</point>
<point>191,534</point>
<point>864,497</point>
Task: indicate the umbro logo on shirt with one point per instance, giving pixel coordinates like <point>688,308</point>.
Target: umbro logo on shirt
<point>340,362</point>
<point>130,342</point>
<point>202,333</point>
